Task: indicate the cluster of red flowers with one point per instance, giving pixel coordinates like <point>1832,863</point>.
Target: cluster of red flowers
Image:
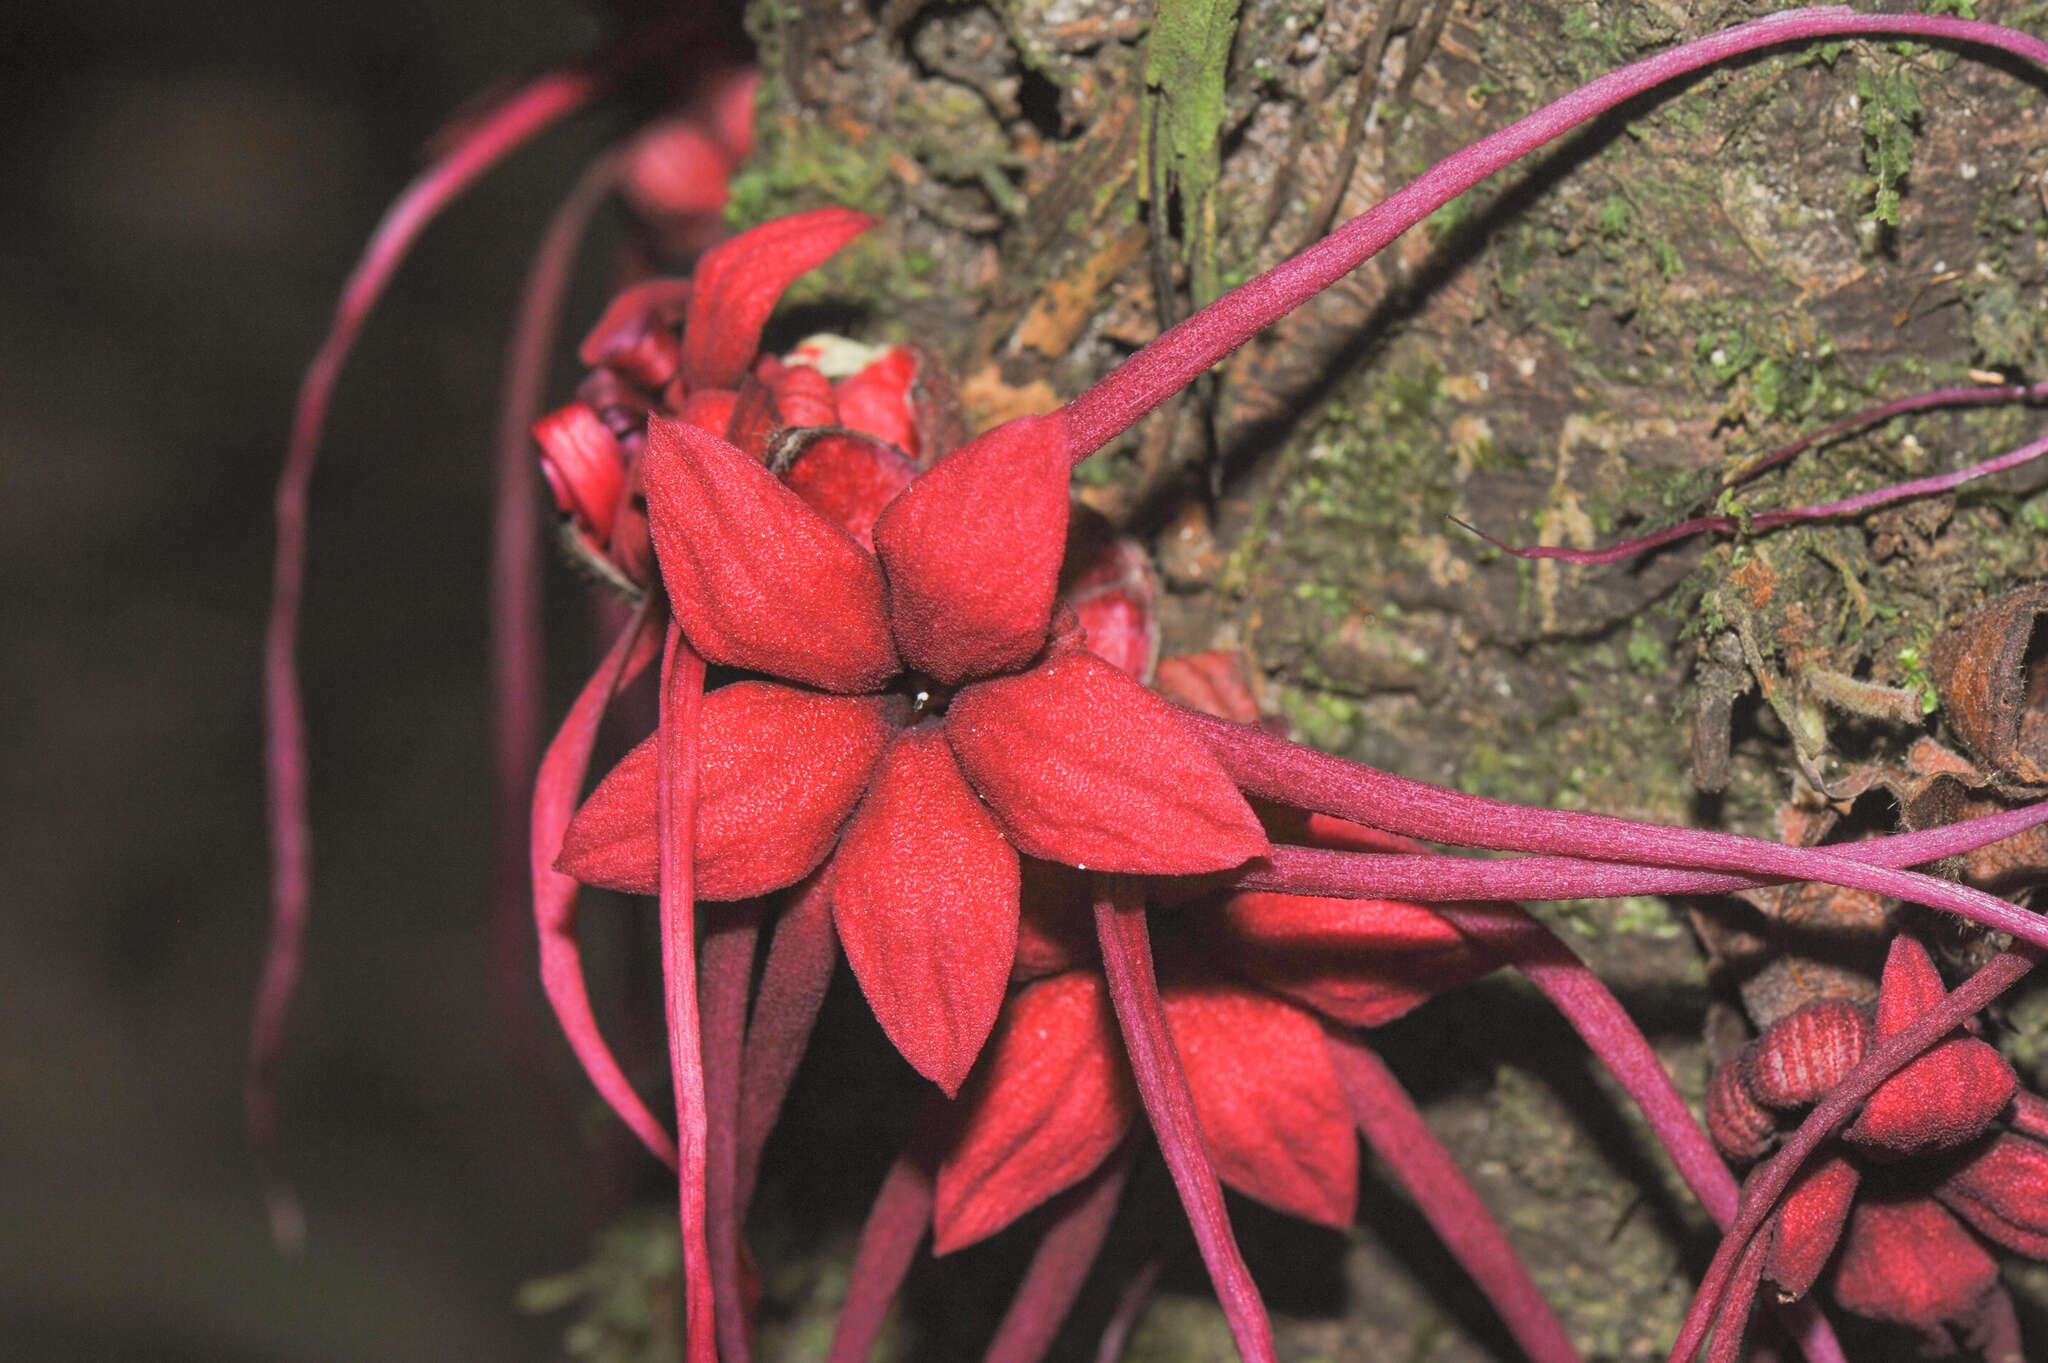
<point>902,713</point>
<point>1877,1200</point>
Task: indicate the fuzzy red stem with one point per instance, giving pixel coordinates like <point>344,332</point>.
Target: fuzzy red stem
<point>555,792</point>
<point>1768,1181</point>
<point>1080,1222</point>
<point>730,935</point>
<point>1395,1130</point>
<point>1427,877</point>
<point>515,604</point>
<point>1275,769</point>
<point>889,1239</point>
<point>1163,1085</point>
<point>1181,353</point>
<point>675,804</point>
<point>801,955</point>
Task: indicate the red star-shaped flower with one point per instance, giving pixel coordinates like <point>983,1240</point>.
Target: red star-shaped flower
<point>919,710</point>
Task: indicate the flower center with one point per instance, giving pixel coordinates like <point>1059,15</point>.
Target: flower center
<point>927,697</point>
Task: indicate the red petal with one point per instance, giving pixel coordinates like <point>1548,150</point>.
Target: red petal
<point>803,396</point>
<point>584,466</point>
<point>877,400</point>
<point>1083,765</point>
<point>738,283</point>
<point>1947,1097</point>
<point>757,579</point>
<point>1272,1112</point>
<point>1808,1223</point>
<point>1045,1108</point>
<point>850,482</point>
<point>1109,583</point>
<point>779,771</point>
<point>1363,962</point>
<point>1911,1263</point>
<point>973,551</point>
<point>925,892</point>
<point>2003,1192</point>
<point>711,409</point>
<point>636,335</point>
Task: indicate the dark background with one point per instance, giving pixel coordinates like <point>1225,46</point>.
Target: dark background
<point>185,188</point>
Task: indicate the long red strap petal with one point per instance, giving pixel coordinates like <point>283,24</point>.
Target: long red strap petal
<point>1273,768</point>
<point>482,143</point>
<point>515,606</point>
<point>1395,1130</point>
<point>731,933</point>
<point>801,956</point>
<point>555,792</point>
<point>895,1227</point>
<point>682,697</point>
<point>1163,1086</point>
<point>1080,1222</point>
<point>1429,878</point>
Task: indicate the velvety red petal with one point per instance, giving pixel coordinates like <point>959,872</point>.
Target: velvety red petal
<point>972,550</point>
<point>1082,765</point>
<point>850,482</point>
<point>1947,1097</point>
<point>636,335</point>
<point>1911,1263</point>
<point>1048,1103</point>
<point>584,466</point>
<point>757,579</point>
<point>803,396</point>
<point>1809,1222</point>
<point>711,409</point>
<point>877,400</point>
<point>925,893</point>
<point>779,771</point>
<point>1271,1109</point>
<point>2003,1192</point>
<point>1805,1054</point>
<point>738,282</point>
<point>1363,962</point>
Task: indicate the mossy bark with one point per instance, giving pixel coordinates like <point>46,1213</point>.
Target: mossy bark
<point>1580,350</point>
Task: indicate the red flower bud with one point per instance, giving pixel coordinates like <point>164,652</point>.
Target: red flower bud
<point>1949,1096</point>
<point>584,466</point>
<point>1740,1125</point>
<point>1809,1222</point>
<point>2003,1192</point>
<point>1803,1055</point>
<point>1913,1264</point>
